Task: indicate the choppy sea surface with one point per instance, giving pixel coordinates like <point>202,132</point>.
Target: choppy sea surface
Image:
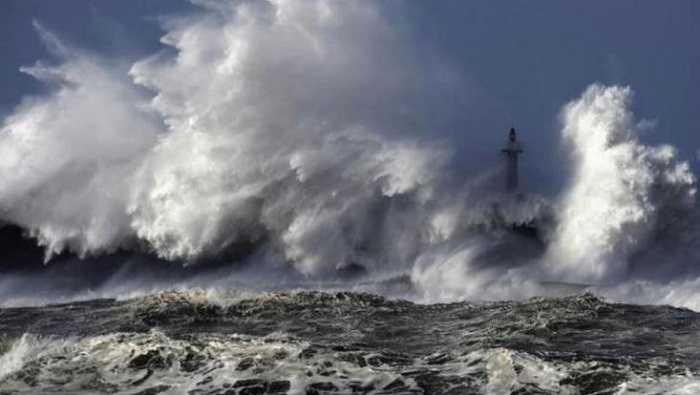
<point>313,342</point>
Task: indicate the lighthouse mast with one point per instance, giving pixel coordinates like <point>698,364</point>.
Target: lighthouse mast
<point>512,150</point>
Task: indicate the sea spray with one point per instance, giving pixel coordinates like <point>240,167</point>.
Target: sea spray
<point>622,195</point>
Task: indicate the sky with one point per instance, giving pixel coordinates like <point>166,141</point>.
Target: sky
<point>518,62</point>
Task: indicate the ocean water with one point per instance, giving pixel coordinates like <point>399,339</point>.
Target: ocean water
<point>311,342</point>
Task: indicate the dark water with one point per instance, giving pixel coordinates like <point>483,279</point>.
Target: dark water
<point>323,343</point>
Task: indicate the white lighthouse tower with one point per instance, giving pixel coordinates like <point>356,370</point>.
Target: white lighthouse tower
<point>512,150</point>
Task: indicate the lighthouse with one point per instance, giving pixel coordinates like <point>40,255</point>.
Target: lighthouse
<point>512,149</point>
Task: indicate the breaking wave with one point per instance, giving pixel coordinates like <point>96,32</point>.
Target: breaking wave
<point>624,198</point>
<point>267,127</point>
<point>292,136</point>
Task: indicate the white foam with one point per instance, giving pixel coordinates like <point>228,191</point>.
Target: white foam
<point>25,349</point>
<point>99,363</point>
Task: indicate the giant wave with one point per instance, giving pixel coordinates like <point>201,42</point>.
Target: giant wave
<point>289,137</point>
